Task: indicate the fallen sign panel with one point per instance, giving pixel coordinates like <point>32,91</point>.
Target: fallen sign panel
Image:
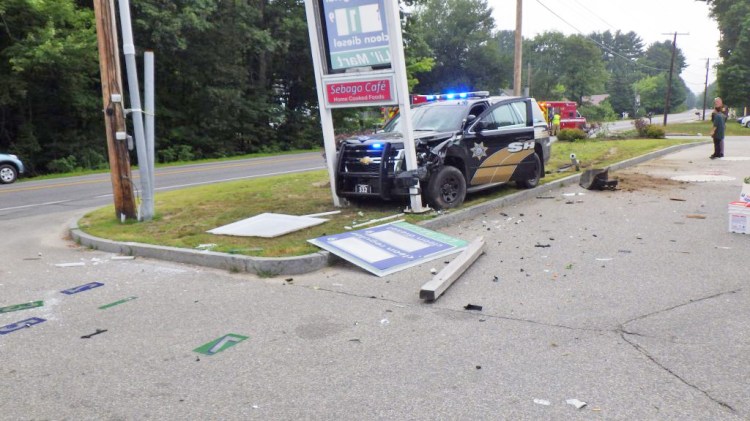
<point>389,248</point>
<point>267,225</point>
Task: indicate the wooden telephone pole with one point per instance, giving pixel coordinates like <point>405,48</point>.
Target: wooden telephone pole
<point>114,118</point>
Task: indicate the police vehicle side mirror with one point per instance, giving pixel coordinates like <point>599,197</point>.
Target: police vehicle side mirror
<point>480,126</point>
<point>468,120</point>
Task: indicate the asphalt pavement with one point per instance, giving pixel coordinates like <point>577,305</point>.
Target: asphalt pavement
<point>633,301</point>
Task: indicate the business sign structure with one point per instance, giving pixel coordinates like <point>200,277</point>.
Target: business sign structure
<point>356,33</point>
<point>362,91</point>
<point>389,248</point>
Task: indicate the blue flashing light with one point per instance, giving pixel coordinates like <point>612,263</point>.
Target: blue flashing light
<point>463,95</point>
<point>450,96</point>
<point>430,97</point>
<point>377,145</point>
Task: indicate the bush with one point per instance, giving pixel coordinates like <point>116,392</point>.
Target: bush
<point>641,126</point>
<point>571,135</point>
<point>654,132</point>
<point>62,165</point>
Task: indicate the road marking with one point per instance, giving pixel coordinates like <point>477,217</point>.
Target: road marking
<point>35,205</point>
<point>82,288</point>
<point>124,300</point>
<point>220,344</point>
<point>20,325</point>
<point>19,307</point>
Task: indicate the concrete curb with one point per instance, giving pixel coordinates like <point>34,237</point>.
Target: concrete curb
<point>269,266</point>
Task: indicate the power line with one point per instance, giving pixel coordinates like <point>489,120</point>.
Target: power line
<point>605,47</point>
<point>595,15</point>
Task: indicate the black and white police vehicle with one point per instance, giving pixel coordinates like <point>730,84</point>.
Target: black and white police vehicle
<point>464,142</point>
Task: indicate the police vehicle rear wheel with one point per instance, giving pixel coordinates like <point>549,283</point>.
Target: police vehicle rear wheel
<point>530,183</point>
<point>446,189</point>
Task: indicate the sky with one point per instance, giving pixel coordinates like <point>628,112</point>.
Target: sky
<point>652,20</point>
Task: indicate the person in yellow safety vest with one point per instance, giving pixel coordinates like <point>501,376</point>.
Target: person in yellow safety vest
<point>556,124</point>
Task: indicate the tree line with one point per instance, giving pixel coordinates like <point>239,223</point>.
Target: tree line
<point>235,76</point>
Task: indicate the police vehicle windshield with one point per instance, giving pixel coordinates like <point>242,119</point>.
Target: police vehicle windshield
<point>437,118</point>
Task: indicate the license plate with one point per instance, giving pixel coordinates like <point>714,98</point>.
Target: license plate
<point>363,188</point>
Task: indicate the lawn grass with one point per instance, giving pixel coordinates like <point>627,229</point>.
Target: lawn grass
<point>183,216</point>
<point>703,128</point>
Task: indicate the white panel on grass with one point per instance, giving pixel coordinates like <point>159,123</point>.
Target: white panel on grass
<point>267,225</point>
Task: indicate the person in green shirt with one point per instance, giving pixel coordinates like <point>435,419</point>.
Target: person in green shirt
<point>719,121</point>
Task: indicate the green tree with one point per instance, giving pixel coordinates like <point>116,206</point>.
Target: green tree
<point>583,71</point>
<point>49,105</point>
<point>619,52</point>
<point>546,55</point>
<point>463,50</point>
<point>733,73</point>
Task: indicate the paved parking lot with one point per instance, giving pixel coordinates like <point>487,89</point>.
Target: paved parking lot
<point>633,301</point>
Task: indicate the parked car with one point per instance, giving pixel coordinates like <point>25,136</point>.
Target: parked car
<point>10,168</point>
<point>744,121</point>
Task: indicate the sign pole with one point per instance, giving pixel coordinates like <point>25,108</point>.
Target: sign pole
<point>398,64</point>
<point>326,116</point>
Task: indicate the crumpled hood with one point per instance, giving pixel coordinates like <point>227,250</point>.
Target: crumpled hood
<point>396,137</point>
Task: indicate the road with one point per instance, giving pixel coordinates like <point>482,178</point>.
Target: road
<point>83,192</point>
<point>633,301</point>
<point>621,125</point>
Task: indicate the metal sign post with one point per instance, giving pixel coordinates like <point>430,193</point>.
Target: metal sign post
<point>398,64</point>
<point>326,117</point>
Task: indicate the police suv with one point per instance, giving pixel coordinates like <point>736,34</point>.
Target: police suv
<point>464,142</point>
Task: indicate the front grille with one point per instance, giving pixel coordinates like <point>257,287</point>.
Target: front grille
<point>361,165</point>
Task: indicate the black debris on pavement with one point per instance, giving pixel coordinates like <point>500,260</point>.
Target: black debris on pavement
<point>473,307</point>
<point>542,245</point>
<point>98,331</point>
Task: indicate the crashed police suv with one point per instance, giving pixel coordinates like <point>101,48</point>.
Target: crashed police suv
<point>464,143</point>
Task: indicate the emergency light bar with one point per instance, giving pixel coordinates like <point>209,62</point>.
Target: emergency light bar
<point>419,99</point>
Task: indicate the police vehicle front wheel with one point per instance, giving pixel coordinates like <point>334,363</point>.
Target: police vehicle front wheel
<point>532,182</point>
<point>446,188</point>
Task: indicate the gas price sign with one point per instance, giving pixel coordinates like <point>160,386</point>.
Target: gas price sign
<point>357,33</point>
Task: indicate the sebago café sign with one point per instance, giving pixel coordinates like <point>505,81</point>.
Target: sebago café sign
<point>369,91</point>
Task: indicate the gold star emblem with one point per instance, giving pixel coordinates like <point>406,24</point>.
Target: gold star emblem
<point>479,151</point>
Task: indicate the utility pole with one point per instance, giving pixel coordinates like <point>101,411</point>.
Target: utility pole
<point>114,118</point>
<point>669,81</point>
<point>517,64</point>
<point>527,92</point>
<point>705,92</point>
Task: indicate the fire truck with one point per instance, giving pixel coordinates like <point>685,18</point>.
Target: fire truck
<point>570,118</point>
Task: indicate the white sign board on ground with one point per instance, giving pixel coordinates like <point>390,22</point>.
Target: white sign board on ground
<point>267,225</point>
<point>389,248</point>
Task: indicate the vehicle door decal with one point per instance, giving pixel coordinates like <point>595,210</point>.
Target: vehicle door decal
<point>499,167</point>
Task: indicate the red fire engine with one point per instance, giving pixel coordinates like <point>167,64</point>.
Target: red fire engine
<point>570,118</point>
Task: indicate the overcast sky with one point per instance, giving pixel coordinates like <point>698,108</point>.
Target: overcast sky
<point>652,20</point>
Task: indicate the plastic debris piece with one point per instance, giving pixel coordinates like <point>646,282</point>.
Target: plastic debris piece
<point>695,216</point>
<point>677,199</point>
<point>122,258</point>
<point>70,265</point>
<point>541,402</point>
<point>385,322</point>
<point>575,402</point>
<point>473,307</point>
<point>433,271</point>
<point>207,246</point>
<point>603,259</point>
